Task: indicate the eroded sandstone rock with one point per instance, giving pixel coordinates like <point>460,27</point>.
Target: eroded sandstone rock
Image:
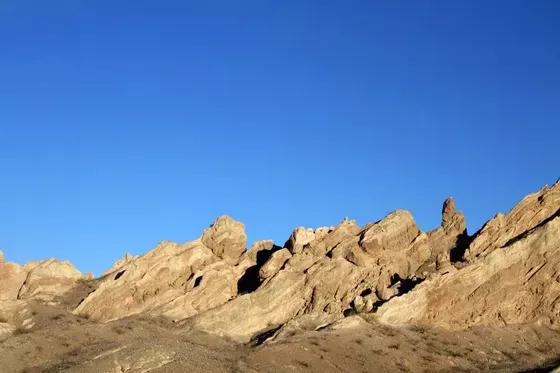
<point>44,279</point>
<point>517,283</point>
<point>48,279</point>
<point>531,211</point>
<point>226,238</point>
<point>509,273</point>
<point>274,264</point>
<point>174,280</point>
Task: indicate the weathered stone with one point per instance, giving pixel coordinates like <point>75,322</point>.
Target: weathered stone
<point>226,238</point>
<point>299,238</point>
<point>530,212</point>
<point>395,233</point>
<point>44,279</point>
<point>118,264</point>
<point>274,264</point>
<point>517,284</point>
<point>257,247</point>
<point>48,279</point>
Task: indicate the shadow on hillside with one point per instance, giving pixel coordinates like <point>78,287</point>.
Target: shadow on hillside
<point>547,367</point>
<point>251,281</point>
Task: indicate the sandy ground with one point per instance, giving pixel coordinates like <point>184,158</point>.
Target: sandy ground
<point>62,342</point>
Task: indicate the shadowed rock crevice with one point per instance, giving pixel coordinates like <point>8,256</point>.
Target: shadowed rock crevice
<point>403,286</point>
<point>548,367</point>
<point>260,338</point>
<point>119,275</point>
<point>326,273</point>
<point>457,253</point>
<point>525,234</point>
<point>251,280</point>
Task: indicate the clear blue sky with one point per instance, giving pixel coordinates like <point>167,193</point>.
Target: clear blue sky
<point>124,123</point>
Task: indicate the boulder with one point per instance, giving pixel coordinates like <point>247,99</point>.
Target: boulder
<point>226,238</point>
<point>394,233</point>
<point>299,238</point>
<point>259,246</point>
<point>274,264</point>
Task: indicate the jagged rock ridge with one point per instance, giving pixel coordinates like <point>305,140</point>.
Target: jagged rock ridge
<point>508,272</point>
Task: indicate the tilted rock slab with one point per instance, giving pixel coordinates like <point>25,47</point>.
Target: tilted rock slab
<point>531,211</point>
<point>329,270</point>
<point>174,280</point>
<point>45,279</point>
<point>516,283</point>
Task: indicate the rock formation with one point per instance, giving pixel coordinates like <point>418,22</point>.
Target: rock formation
<point>531,211</point>
<point>507,273</point>
<point>43,280</point>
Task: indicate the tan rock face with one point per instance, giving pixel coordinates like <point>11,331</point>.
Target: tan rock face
<point>163,275</point>
<point>226,238</point>
<point>508,272</point>
<point>395,233</point>
<point>531,211</point>
<point>177,281</point>
<point>257,247</point>
<point>517,283</point>
<point>118,264</point>
<point>12,277</point>
<point>48,279</point>
<point>299,238</point>
<point>274,264</point>
<point>328,272</point>
<point>448,242</point>
<point>44,279</point>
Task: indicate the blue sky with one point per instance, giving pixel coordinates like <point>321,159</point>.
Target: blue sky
<point>124,123</point>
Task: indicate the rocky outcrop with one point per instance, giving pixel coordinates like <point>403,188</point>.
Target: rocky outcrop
<point>49,278</point>
<point>176,280</point>
<point>508,272</point>
<point>43,280</point>
<point>12,277</point>
<point>226,238</point>
<point>450,240</point>
<point>274,264</point>
<point>517,283</point>
<point>531,211</point>
<point>118,264</point>
<point>333,271</point>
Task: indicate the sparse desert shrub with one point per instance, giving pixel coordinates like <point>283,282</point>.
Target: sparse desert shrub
<point>395,346</point>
